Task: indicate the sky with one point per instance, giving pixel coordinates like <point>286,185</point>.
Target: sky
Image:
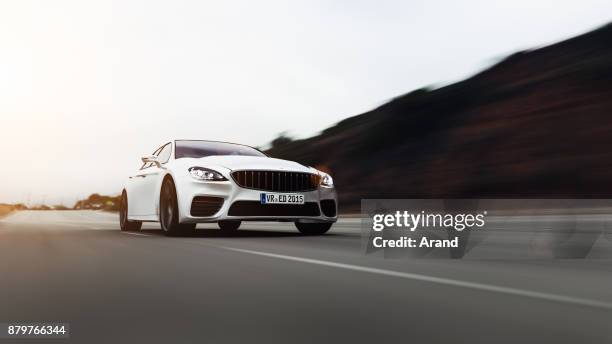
<point>88,87</point>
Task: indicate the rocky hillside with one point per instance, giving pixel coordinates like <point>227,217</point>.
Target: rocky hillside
<point>538,124</point>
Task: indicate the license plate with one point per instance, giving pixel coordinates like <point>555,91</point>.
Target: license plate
<point>281,198</point>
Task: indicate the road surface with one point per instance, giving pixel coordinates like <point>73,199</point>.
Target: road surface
<point>270,284</point>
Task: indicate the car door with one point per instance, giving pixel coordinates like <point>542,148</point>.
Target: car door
<point>153,180</point>
<point>141,193</point>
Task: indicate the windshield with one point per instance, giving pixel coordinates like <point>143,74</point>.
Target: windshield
<point>200,149</point>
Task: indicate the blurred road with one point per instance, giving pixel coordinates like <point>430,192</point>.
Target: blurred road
<point>268,283</point>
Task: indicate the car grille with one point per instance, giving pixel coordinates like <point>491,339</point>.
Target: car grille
<point>255,208</point>
<point>205,205</point>
<point>280,181</point>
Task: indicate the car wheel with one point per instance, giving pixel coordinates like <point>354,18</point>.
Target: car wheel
<point>124,223</point>
<point>169,213</point>
<point>313,228</point>
<point>229,225</point>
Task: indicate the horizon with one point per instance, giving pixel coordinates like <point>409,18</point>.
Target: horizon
<point>84,81</point>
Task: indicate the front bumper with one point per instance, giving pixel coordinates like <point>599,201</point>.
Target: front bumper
<point>188,188</point>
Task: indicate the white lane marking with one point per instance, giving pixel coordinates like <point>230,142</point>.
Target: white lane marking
<point>132,233</point>
<point>438,280</point>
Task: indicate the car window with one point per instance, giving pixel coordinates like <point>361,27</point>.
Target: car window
<point>200,149</point>
<point>164,154</point>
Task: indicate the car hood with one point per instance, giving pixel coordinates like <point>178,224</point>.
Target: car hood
<point>237,162</point>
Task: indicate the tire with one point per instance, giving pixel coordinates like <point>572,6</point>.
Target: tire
<point>124,223</point>
<point>313,228</point>
<point>169,212</point>
<point>229,225</point>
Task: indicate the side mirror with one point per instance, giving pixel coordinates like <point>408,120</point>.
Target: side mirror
<point>151,158</point>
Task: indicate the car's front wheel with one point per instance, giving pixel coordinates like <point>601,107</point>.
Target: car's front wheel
<point>313,228</point>
<point>169,213</point>
<point>124,223</point>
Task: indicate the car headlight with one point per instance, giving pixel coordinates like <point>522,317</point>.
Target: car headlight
<point>327,181</point>
<point>202,173</point>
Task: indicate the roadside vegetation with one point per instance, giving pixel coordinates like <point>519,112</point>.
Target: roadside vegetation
<point>99,202</point>
<point>6,209</point>
<point>94,202</point>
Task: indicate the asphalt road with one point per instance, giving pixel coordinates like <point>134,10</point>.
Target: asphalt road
<point>268,284</point>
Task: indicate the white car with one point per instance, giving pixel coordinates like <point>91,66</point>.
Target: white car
<point>185,182</point>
